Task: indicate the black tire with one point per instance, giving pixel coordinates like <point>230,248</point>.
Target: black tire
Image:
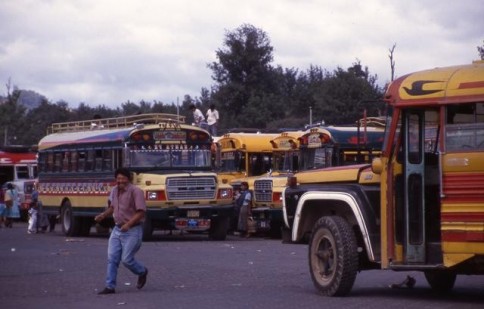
<point>86,223</point>
<point>440,281</point>
<point>275,231</point>
<point>219,228</point>
<point>333,256</point>
<point>71,225</point>
<point>147,229</point>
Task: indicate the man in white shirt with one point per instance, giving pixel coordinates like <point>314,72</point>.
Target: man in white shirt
<point>212,120</point>
<point>198,118</point>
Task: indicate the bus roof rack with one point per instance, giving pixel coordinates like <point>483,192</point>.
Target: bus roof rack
<point>114,123</point>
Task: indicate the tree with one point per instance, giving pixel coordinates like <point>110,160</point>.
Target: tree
<point>242,73</point>
<point>12,119</point>
<point>480,49</point>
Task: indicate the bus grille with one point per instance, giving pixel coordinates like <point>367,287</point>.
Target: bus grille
<point>191,188</point>
<point>263,190</point>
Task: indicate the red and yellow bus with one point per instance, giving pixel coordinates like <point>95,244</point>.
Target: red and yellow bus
<point>18,166</point>
<point>169,160</point>
<point>419,206</point>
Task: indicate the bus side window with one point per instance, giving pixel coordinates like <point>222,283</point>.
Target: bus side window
<point>65,162</point>
<point>73,161</point>
<point>89,161</point>
<point>58,162</point>
<point>107,160</point>
<point>98,161</point>
<point>82,161</point>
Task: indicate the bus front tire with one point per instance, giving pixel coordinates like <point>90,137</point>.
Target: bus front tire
<point>333,256</point>
<point>219,227</point>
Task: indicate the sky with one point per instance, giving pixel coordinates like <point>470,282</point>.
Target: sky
<point>106,52</point>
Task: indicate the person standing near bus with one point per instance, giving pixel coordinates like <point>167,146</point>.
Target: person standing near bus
<point>3,208</point>
<point>212,120</point>
<point>244,203</point>
<point>128,209</point>
<point>33,211</point>
<point>12,204</point>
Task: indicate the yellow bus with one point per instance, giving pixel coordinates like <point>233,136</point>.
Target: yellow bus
<point>317,148</point>
<point>419,206</point>
<point>244,155</point>
<point>169,160</point>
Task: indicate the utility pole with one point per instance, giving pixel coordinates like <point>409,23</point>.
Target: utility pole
<point>310,115</point>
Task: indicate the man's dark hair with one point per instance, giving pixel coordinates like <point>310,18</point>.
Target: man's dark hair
<point>192,106</point>
<point>123,171</point>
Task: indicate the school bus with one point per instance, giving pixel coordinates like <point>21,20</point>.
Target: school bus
<point>419,206</point>
<point>18,166</point>
<point>169,160</point>
<point>285,160</point>
<point>313,149</point>
<point>243,155</point>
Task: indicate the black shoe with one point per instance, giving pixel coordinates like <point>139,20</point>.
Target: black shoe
<point>142,279</point>
<point>106,291</point>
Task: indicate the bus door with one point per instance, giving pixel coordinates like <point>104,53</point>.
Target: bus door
<point>421,201</point>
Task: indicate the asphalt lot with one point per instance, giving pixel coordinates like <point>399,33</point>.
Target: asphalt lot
<point>189,271</point>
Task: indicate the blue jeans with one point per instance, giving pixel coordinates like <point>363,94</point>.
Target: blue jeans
<point>122,247</point>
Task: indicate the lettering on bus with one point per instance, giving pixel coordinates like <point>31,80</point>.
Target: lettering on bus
<point>314,141</point>
<point>100,188</point>
<point>169,135</point>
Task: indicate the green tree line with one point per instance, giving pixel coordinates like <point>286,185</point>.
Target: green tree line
<point>248,90</point>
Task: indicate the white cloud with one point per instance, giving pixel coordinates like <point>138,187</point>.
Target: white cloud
<point>108,52</point>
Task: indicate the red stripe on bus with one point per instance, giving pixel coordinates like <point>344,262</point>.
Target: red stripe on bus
<point>462,236</point>
<point>470,85</point>
<point>463,217</point>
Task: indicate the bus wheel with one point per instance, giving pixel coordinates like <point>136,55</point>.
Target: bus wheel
<point>440,281</point>
<point>71,225</point>
<point>333,256</point>
<point>86,223</point>
<point>218,228</point>
<point>147,229</point>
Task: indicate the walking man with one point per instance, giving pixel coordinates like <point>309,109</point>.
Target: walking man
<point>128,210</point>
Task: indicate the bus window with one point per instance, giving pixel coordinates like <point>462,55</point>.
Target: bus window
<point>74,161</point>
<point>65,162</point>
<point>23,172</point>
<point>58,162</point>
<point>90,161</point>
<point>108,160</point>
<point>465,127</point>
<point>82,161</point>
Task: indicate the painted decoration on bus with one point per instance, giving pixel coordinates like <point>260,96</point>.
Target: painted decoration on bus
<point>230,155</point>
<point>284,143</point>
<point>314,141</point>
<point>169,135</point>
<point>101,188</point>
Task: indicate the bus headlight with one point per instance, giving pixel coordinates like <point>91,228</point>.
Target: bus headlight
<point>225,193</point>
<point>155,195</point>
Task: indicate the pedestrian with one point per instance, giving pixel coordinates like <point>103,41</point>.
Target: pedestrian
<point>12,205</point>
<point>3,208</point>
<point>244,204</point>
<point>33,211</point>
<point>212,120</point>
<point>198,118</point>
<point>128,209</point>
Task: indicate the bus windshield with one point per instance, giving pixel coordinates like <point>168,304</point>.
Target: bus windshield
<point>166,158</point>
<point>285,161</point>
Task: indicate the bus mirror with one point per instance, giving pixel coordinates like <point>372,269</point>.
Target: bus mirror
<point>376,166</point>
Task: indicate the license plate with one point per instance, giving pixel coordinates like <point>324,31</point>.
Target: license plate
<point>192,223</point>
<point>193,213</point>
<point>264,224</point>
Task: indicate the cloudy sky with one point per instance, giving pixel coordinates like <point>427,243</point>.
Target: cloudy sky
<point>111,51</point>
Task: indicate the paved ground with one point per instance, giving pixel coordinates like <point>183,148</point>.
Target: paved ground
<point>52,271</point>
